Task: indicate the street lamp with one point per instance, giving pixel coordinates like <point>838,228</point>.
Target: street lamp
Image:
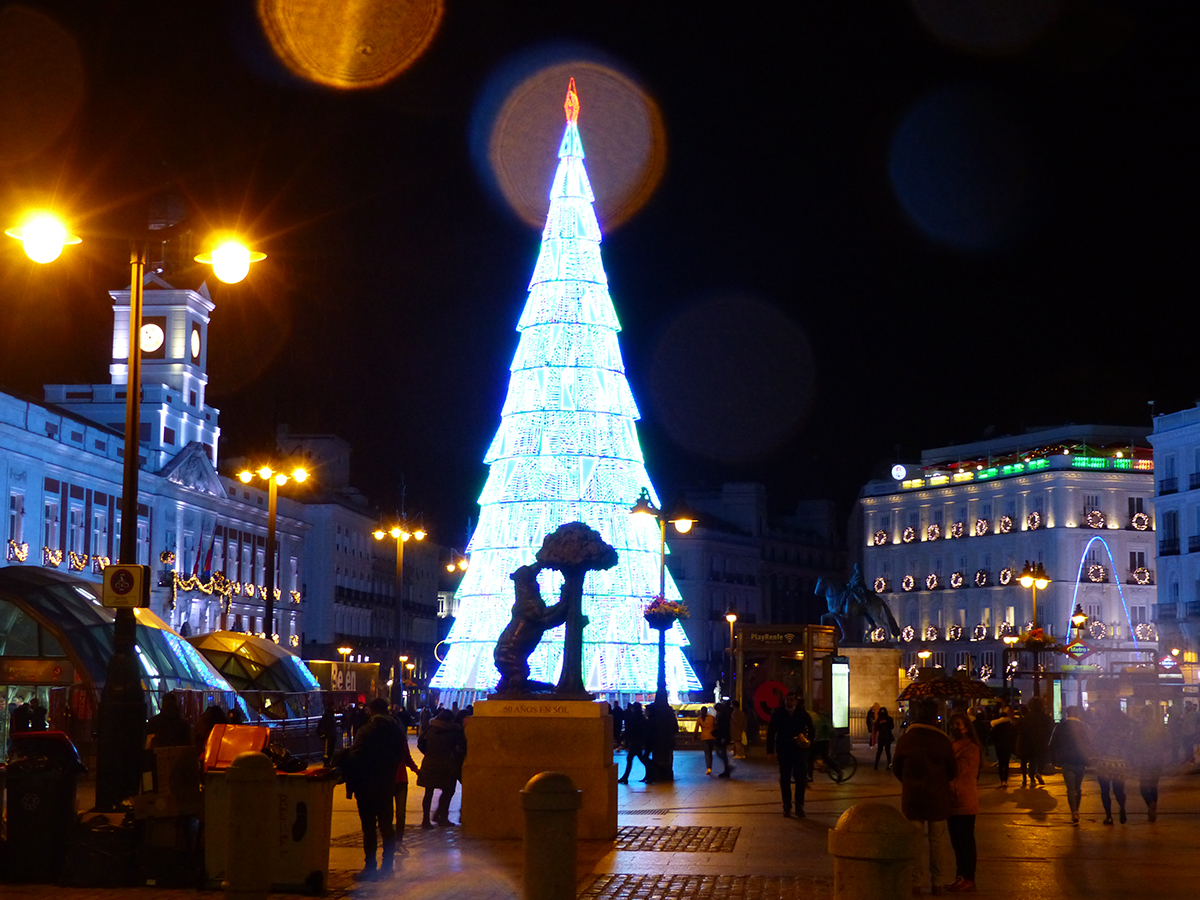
<point>345,651</point>
<point>458,562</point>
<point>924,657</point>
<point>274,480</point>
<point>1010,641</point>
<point>1034,576</point>
<point>645,507</point>
<point>731,618</point>
<point>1078,618</point>
<point>122,713</point>
<point>400,534</point>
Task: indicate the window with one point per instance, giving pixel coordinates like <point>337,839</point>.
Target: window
<point>985,511</point>
<point>1170,523</point>
<point>16,516</point>
<point>985,617</point>
<point>1090,502</point>
<point>937,518</point>
<point>1137,615</point>
<point>1010,508</point>
<point>50,525</point>
<point>1038,504</point>
<point>143,543</point>
<point>99,533</point>
<point>885,522</point>
<point>1136,505</point>
<point>169,436</point>
<point>1137,560</point>
<point>1169,466</point>
<point>1094,611</point>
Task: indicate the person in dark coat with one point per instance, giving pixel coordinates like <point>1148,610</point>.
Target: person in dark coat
<point>1071,750</point>
<point>445,746</point>
<point>885,734</point>
<point>1034,739</point>
<point>169,728</point>
<point>618,722</point>
<point>327,731</point>
<point>209,719</point>
<point>1147,753</point>
<point>635,743</point>
<point>789,737</point>
<point>1004,739</point>
<point>661,731</point>
<point>371,770</point>
<point>926,766</point>
<point>721,734</point>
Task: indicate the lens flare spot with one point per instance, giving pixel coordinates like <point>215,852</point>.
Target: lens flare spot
<point>962,166</point>
<point>349,43</point>
<point>987,26</point>
<point>620,124</point>
<point>732,378</point>
<point>42,82</point>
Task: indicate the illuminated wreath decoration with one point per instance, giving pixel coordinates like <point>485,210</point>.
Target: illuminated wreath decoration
<point>957,580</point>
<point>1140,521</point>
<point>1097,629</point>
<point>1007,629</point>
<point>881,584</point>
<point>985,672</point>
<point>879,635</point>
<point>933,532</point>
<point>909,535</point>
<point>1096,572</point>
<point>880,538</point>
<point>932,582</point>
<point>1141,575</point>
<point>912,673</point>
<point>981,578</point>
<point>956,530</point>
<point>1033,521</point>
<point>1144,631</point>
<point>166,557</point>
<point>980,633</point>
<point>908,583</point>
<point>1013,666</point>
<point>931,633</point>
<point>982,526</point>
<point>1006,524</point>
<point>908,634</point>
<point>1006,576</point>
<point>954,633</point>
<point>1094,519</point>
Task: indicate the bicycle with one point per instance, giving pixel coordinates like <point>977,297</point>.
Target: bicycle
<point>840,764</point>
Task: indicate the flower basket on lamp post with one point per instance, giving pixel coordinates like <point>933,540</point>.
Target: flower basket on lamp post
<point>660,615</point>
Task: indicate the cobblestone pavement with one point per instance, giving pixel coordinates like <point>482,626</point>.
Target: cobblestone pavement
<point>677,838</point>
<point>700,887</point>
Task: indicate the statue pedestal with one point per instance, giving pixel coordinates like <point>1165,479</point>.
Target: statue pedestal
<point>874,678</point>
<point>510,741</point>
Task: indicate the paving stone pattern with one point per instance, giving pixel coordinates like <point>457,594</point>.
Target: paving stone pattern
<point>414,836</point>
<point>704,887</point>
<point>677,838</point>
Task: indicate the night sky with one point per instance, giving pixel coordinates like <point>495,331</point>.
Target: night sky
<point>877,228</point>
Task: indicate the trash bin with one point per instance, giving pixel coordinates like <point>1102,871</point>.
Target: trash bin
<point>301,821</point>
<point>43,774</point>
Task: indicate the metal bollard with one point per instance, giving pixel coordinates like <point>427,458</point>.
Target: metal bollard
<point>551,803</point>
<point>874,849</point>
<point>252,799</point>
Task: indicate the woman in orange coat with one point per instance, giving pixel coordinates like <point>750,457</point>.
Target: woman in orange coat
<point>965,804</point>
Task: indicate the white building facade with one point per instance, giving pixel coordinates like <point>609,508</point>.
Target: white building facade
<point>945,542</point>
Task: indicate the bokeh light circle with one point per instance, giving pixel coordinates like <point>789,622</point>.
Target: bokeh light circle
<point>732,378</point>
<point>962,166</point>
<point>987,26</point>
<point>42,82</point>
<point>622,131</point>
<point>349,43</point>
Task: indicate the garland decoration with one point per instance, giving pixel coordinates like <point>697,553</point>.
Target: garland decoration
<point>51,559</point>
<point>908,583</point>
<point>933,532</point>
<point>908,634</point>
<point>1141,575</point>
<point>1033,521</point>
<point>1094,519</point>
<point>956,530</point>
<point>909,535</point>
<point>1006,576</point>
<point>982,527</point>
<point>981,578</point>
<point>1096,573</point>
<point>932,582</point>
<point>957,580</point>
<point>880,538</point>
<point>1006,524</point>
<point>18,552</point>
<point>1097,629</point>
<point>931,633</point>
<point>881,585</point>
<point>1139,521</point>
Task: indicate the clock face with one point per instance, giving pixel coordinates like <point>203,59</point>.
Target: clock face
<point>152,338</point>
<point>195,343</point>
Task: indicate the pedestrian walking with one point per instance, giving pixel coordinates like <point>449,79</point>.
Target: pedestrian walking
<point>327,731</point>
<point>704,728</point>
<point>635,743</point>
<point>1004,739</point>
<point>721,738</point>
<point>926,766</point>
<point>370,766</point>
<point>789,739</point>
<point>968,757</point>
<point>872,718</point>
<point>1033,740</point>
<point>445,746</point>
<point>1147,752</point>
<point>885,730</point>
<point>169,728</point>
<point>400,788</point>
<point>822,736</point>
<point>1112,739</point>
<point>737,730</point>
<point>1071,750</point>
<point>618,720</point>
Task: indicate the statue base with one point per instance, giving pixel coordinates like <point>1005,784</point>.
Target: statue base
<point>511,740</point>
<point>874,678</point>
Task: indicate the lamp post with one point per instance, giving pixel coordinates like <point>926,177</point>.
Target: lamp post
<point>1034,576</point>
<point>274,480</point>
<point>924,657</point>
<point>683,524</point>
<point>731,618</point>
<point>401,534</point>
<point>122,713</point>
<point>345,651</point>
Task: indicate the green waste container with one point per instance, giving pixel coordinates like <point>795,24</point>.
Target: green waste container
<point>42,777</point>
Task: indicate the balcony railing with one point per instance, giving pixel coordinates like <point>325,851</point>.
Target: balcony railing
<point>1191,609</point>
<point>1194,543</point>
<point>1168,546</point>
<point>1168,485</point>
<point>1164,612</point>
<point>1194,481</point>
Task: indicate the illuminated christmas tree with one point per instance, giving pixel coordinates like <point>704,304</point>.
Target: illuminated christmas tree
<point>566,451</point>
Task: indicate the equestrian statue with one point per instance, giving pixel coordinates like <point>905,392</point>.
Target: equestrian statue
<point>855,608</point>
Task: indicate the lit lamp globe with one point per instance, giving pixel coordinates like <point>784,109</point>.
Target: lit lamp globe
<point>230,260</point>
<point>43,235</point>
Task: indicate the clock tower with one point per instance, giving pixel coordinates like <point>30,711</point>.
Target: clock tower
<point>174,344</point>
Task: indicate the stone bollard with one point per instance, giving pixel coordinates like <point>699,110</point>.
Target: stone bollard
<point>250,856</point>
<point>551,803</point>
<point>874,849</point>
